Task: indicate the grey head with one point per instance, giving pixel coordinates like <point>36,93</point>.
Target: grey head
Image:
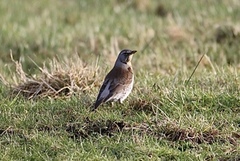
<point>125,56</point>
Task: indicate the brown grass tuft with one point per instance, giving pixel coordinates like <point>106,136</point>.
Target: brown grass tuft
<point>173,132</point>
<point>178,33</point>
<point>161,10</point>
<point>142,5</point>
<point>169,130</point>
<point>224,33</point>
<point>61,79</point>
<point>141,105</point>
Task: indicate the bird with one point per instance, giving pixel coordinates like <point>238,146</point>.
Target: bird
<point>118,83</point>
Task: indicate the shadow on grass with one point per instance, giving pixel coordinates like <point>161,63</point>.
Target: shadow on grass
<point>164,130</point>
<point>89,128</point>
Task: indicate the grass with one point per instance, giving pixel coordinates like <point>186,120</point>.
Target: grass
<point>61,52</point>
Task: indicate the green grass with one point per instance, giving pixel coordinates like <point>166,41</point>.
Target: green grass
<point>164,118</point>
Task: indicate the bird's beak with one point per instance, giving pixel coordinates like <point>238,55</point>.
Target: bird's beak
<point>134,51</point>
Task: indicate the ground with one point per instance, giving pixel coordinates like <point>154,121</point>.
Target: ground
<point>185,104</point>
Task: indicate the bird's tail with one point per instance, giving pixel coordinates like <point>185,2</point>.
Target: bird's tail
<point>96,104</point>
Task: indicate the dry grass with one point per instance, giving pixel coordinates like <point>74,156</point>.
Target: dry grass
<point>63,79</point>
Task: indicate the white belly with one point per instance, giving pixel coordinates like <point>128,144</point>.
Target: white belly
<point>121,96</point>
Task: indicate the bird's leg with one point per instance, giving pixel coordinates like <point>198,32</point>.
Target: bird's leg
<point>120,101</point>
<point>110,103</point>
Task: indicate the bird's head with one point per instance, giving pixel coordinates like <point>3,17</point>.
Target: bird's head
<point>125,56</point>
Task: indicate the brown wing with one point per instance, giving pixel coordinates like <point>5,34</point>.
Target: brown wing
<point>113,84</point>
<point>121,79</point>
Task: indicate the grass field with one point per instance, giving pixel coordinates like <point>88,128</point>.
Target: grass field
<point>55,54</point>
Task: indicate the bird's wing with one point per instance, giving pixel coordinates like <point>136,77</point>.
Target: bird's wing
<point>103,93</point>
<point>104,90</point>
<point>107,90</point>
<point>114,83</point>
<point>114,88</point>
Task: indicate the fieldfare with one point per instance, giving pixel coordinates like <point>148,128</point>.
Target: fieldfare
<point>118,83</point>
